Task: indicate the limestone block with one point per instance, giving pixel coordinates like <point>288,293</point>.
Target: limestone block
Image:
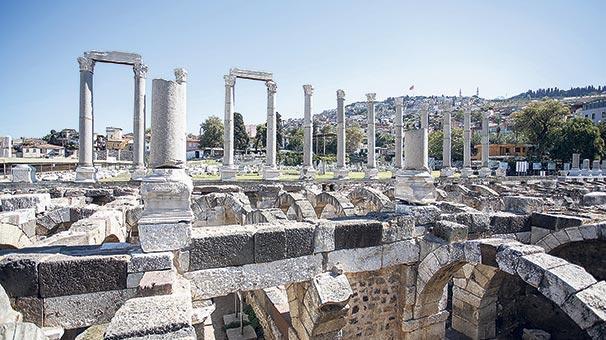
<point>508,256</point>
<point>587,307</point>
<point>133,279</point>
<point>7,314</point>
<point>554,221</point>
<point>21,330</point>
<point>156,283</point>
<point>505,222</point>
<point>299,239</point>
<point>522,204</point>
<point>415,187</point>
<point>248,333</point>
<point>531,268</point>
<point>61,275</point>
<point>86,174</point>
<point>209,283</point>
<point>214,247</point>
<point>401,228</point>
<point>450,231</point>
<point>23,173</point>
<point>356,260</point>
<point>422,215</point>
<point>358,234</point>
<point>25,219</point>
<point>477,222</point>
<point>324,237</point>
<point>40,202</point>
<point>269,243</point>
<point>164,236</point>
<point>400,252</point>
<point>561,282</point>
<point>142,262</point>
<point>594,198</point>
<point>19,274</point>
<point>271,274</point>
<point>83,310</point>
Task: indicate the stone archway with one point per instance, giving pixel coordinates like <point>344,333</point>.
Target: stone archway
<point>340,203</point>
<point>229,169</point>
<point>370,199</point>
<point>298,204</point>
<point>86,171</point>
<point>568,286</point>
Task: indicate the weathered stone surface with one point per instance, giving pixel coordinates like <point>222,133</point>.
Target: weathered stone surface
<point>32,309</point>
<point>476,222</point>
<point>398,229</point>
<point>19,274</point>
<point>299,239</point>
<point>594,198</point>
<point>522,204</point>
<point>270,243</point>
<point>164,236</point>
<point>75,311</point>
<point>508,256</point>
<point>561,282</point>
<point>332,289</point>
<point>358,234</point>
<point>66,275</point>
<point>356,260</point>
<point>505,222</point>
<point>531,268</point>
<point>156,283</point>
<point>450,231</point>
<point>21,330</point>
<point>24,201</point>
<point>400,252</point>
<point>142,262</point>
<point>422,215</point>
<point>554,222</point>
<point>324,237</point>
<point>7,314</point>
<point>221,247</point>
<point>587,307</point>
<point>535,334</point>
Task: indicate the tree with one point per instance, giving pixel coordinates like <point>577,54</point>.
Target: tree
<point>279,131</point>
<point>241,139</point>
<point>261,137</point>
<point>436,140</point>
<point>353,138</point>
<point>295,140</point>
<point>578,135</point>
<point>212,133</point>
<point>385,139</point>
<point>537,122</point>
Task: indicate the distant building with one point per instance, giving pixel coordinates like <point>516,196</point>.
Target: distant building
<point>596,111</point>
<point>6,146</point>
<point>42,151</point>
<point>251,130</point>
<point>503,151</point>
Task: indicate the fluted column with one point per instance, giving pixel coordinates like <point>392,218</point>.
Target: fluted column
<point>485,170</point>
<point>228,171</point>
<point>140,71</point>
<point>86,171</point>
<point>271,171</point>
<point>399,161</point>
<point>371,163</point>
<point>466,171</point>
<point>308,170</point>
<point>447,170</point>
<point>341,170</point>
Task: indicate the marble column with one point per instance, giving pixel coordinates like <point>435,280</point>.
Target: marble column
<point>424,119</point>
<point>596,169</point>
<point>485,170</point>
<point>85,171</point>
<point>399,161</point>
<point>585,171</point>
<point>307,171</point>
<point>414,184</point>
<point>466,171</point>
<point>371,172</point>
<point>228,170</point>
<point>166,220</point>
<point>140,71</point>
<point>576,162</point>
<point>447,169</point>
<point>341,171</point>
<point>271,171</point>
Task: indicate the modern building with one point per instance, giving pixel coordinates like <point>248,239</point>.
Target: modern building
<point>596,111</point>
<point>6,147</point>
<point>42,151</point>
<point>503,151</point>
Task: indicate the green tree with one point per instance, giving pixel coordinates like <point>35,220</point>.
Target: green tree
<point>354,136</point>
<point>261,137</point>
<point>538,121</point>
<point>578,135</point>
<point>241,139</point>
<point>212,133</point>
<point>385,139</point>
<point>436,140</point>
<point>295,139</point>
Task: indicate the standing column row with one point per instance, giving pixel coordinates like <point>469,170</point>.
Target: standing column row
<point>228,170</point>
<point>447,169</point>
<point>140,71</point>
<point>485,170</point>
<point>399,161</point>
<point>307,172</point>
<point>371,171</point>
<point>271,171</point>
<point>85,171</point>
<point>341,171</point>
<point>466,171</point>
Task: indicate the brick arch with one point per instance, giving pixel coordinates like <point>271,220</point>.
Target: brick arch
<point>341,204</point>
<point>568,286</point>
<point>299,203</point>
<point>558,238</point>
<point>364,196</point>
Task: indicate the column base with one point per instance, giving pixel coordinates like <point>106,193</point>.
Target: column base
<point>308,173</point>
<point>271,173</point>
<point>485,172</point>
<point>574,172</point>
<point>466,172</point>
<point>138,173</point>
<point>447,172</point>
<point>585,172</point>
<point>341,173</point>
<point>228,173</point>
<point>371,173</point>
<point>415,187</point>
<point>596,173</point>
<point>86,174</point>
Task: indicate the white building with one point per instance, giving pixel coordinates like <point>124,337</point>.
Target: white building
<point>596,111</point>
<point>43,151</point>
<point>6,147</point>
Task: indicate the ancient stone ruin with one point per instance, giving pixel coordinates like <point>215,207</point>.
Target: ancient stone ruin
<point>413,257</point>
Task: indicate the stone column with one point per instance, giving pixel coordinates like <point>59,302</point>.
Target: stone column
<point>228,170</point>
<point>447,169</point>
<point>308,171</point>
<point>140,71</point>
<point>271,171</point>
<point>371,164</point>
<point>424,119</point>
<point>466,171</point>
<point>166,220</point>
<point>585,171</point>
<point>85,171</point>
<point>575,167</point>
<point>399,161</point>
<point>485,170</point>
<point>341,171</point>
<point>414,184</point>
<point>595,168</point>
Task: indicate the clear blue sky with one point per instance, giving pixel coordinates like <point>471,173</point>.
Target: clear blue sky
<point>359,46</point>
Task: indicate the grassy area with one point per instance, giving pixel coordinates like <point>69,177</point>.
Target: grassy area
<point>122,177</point>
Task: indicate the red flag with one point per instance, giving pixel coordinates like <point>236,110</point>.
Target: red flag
<point>412,88</point>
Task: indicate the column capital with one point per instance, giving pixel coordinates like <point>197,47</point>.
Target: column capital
<point>229,80</point>
<point>371,97</point>
<point>399,101</point>
<point>86,64</point>
<point>308,90</point>
<point>181,75</point>
<point>140,70</point>
<point>340,94</point>
<point>271,86</point>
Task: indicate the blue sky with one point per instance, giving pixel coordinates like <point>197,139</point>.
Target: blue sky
<point>503,47</point>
